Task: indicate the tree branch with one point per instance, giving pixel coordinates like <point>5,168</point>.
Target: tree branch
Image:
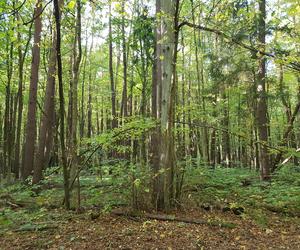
<point>37,15</point>
<point>291,65</point>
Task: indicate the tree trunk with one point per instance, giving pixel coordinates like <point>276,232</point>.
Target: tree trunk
<point>157,180</point>
<point>89,106</point>
<point>124,107</point>
<point>82,116</point>
<point>7,114</point>
<point>167,104</point>
<point>262,108</point>
<point>31,115</point>
<point>61,106</point>
<point>111,73</point>
<point>47,120</point>
<point>21,59</point>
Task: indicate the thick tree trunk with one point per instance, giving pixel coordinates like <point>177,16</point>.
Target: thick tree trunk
<point>30,138</point>
<point>167,103</point>
<point>157,180</point>
<point>47,120</point>
<point>262,108</point>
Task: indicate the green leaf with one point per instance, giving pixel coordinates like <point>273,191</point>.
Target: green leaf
<point>71,5</point>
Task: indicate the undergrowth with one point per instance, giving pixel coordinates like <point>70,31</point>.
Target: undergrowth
<point>102,189</point>
<point>240,187</point>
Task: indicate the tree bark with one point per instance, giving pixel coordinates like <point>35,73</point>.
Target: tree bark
<point>31,115</point>
<point>21,59</point>
<point>262,108</point>
<point>114,123</point>
<point>166,23</point>
<point>124,107</point>
<point>61,106</point>
<point>47,120</point>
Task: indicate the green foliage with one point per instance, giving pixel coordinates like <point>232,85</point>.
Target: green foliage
<point>132,129</point>
<point>237,187</point>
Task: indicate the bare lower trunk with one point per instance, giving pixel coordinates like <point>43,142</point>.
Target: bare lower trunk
<point>262,108</point>
<point>29,146</point>
<point>47,119</point>
<point>61,106</point>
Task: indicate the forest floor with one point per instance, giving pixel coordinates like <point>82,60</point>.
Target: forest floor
<point>108,231</point>
<point>233,209</point>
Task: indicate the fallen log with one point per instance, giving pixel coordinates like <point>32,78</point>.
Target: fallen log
<point>171,218</point>
<point>35,227</point>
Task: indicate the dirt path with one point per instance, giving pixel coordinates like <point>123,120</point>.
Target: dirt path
<point>113,232</point>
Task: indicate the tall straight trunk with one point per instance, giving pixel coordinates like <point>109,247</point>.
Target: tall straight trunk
<point>111,73</point>
<point>30,137</point>
<point>21,59</point>
<point>167,103</point>
<point>98,123</point>
<point>213,139</point>
<point>143,97</point>
<point>73,98</point>
<point>157,186</point>
<point>226,154</point>
<point>82,116</point>
<point>192,147</point>
<point>262,108</point>
<point>124,102</point>
<point>181,148</point>
<point>12,119</point>
<point>124,107</point>
<point>89,125</point>
<point>89,92</point>
<point>7,113</point>
<point>198,95</point>
<point>73,108</point>
<point>102,118</point>
<point>47,120</point>
<point>203,145</point>
<point>171,121</point>
<point>61,106</point>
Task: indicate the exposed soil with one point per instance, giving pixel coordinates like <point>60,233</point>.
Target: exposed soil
<point>115,232</point>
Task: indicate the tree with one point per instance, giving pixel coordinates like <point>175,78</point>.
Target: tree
<point>47,120</point>
<point>61,105</point>
<point>262,108</point>
<point>29,145</point>
<point>166,56</point>
<point>114,122</point>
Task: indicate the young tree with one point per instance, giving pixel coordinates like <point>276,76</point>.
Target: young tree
<point>61,104</point>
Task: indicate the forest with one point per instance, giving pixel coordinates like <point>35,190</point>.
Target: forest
<point>150,124</point>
